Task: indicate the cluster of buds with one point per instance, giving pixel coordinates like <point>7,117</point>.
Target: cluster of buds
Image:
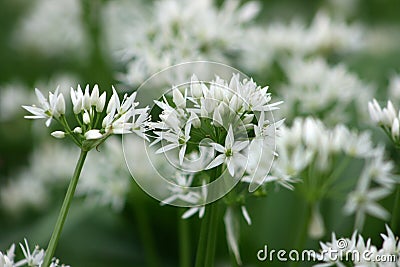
<point>387,118</point>
<point>93,124</point>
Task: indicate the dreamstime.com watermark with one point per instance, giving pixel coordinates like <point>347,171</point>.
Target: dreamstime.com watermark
<point>342,253</point>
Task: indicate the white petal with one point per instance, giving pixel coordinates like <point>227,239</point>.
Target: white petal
<point>246,215</point>
<point>190,212</point>
<point>216,162</point>
<point>232,231</point>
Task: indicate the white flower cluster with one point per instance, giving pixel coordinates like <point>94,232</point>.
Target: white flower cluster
<point>387,118</point>
<point>120,118</point>
<point>217,124</point>
<point>315,88</point>
<point>360,252</point>
<point>176,31</point>
<point>323,36</point>
<point>31,259</point>
<point>318,156</point>
<point>223,114</point>
<point>59,25</point>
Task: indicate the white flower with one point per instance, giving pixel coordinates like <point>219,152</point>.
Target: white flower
<point>230,154</point>
<point>35,258</point>
<point>364,201</point>
<point>176,140</point>
<point>315,88</point>
<point>47,109</point>
<point>31,259</point>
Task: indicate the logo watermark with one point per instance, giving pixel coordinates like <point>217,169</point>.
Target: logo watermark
<point>342,251</point>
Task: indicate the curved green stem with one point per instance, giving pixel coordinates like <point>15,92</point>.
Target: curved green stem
<point>64,210</point>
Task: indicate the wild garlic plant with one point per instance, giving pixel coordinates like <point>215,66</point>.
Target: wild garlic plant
<point>388,118</point>
<point>313,158</point>
<point>212,132</point>
<point>94,123</point>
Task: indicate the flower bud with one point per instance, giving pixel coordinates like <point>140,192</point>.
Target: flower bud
<point>196,88</point>
<point>86,99</point>
<point>194,119</point>
<point>60,105</point>
<point>94,97</point>
<point>178,98</point>
<point>58,134</point>
<point>395,129</point>
<point>86,118</point>
<point>93,134</point>
<point>78,130</point>
<point>78,106</point>
<point>101,103</point>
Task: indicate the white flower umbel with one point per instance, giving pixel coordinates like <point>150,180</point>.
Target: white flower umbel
<point>318,156</point>
<point>31,258</point>
<point>222,114</point>
<point>387,118</point>
<point>360,252</point>
<point>218,123</point>
<point>93,127</point>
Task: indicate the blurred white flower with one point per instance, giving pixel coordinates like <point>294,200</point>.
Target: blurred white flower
<point>53,29</point>
<point>363,200</point>
<point>331,93</point>
<point>323,36</point>
<point>316,155</point>
<point>12,97</point>
<point>175,31</point>
<point>31,186</point>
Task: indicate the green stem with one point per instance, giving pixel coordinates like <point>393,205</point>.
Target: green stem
<point>64,210</point>
<point>201,247</point>
<point>213,233</point>
<point>395,213</point>
<point>146,234</point>
<point>209,229</point>
<point>184,242</point>
<point>303,230</point>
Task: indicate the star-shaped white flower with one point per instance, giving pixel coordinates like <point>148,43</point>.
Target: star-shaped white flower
<point>230,154</point>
